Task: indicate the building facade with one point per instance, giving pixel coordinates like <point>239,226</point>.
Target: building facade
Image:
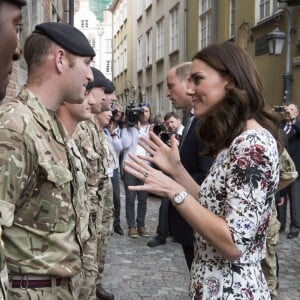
<point>150,36</point>
<point>248,23</point>
<point>148,39</point>
<point>98,33</point>
<point>36,11</point>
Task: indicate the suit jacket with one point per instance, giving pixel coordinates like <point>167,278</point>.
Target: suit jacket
<point>198,168</point>
<point>292,143</point>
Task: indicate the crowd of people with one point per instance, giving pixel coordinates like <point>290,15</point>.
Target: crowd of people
<point>217,174</point>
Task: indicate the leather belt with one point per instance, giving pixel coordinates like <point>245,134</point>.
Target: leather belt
<point>36,281</point>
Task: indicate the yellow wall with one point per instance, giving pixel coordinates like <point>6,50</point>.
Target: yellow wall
<point>271,68</point>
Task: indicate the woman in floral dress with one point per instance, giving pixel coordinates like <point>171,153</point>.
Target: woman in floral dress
<point>231,210</point>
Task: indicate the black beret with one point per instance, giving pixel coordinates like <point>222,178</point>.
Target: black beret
<point>17,2</point>
<point>109,88</point>
<point>67,36</point>
<point>99,80</point>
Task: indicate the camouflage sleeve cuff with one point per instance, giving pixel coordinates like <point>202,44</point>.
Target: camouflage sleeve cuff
<point>6,213</point>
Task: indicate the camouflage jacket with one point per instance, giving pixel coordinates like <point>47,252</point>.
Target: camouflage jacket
<point>36,203</point>
<point>82,202</point>
<point>109,159</point>
<point>88,141</point>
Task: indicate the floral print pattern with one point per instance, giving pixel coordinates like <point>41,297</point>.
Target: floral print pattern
<point>240,189</point>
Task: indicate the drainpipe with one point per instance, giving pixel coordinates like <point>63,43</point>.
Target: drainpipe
<point>288,76</point>
<point>216,10</point>
<point>71,12</point>
<point>185,30</point>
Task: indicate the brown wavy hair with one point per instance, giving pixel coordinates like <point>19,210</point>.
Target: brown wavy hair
<point>243,99</point>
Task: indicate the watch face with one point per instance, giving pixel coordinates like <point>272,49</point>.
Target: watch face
<point>179,197</point>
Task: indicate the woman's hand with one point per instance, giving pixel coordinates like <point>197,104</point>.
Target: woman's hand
<point>155,181</point>
<point>165,157</point>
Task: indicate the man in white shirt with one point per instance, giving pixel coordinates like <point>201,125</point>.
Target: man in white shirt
<point>130,138</point>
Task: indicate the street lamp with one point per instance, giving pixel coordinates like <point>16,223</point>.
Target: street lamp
<point>126,93</point>
<point>275,41</point>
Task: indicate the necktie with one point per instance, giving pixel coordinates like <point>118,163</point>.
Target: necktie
<point>186,128</point>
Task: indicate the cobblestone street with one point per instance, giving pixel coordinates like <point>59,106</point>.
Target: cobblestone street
<point>134,271</point>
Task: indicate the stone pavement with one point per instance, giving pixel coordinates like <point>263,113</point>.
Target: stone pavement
<point>134,271</point>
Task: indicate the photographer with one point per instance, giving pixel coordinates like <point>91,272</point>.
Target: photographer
<point>136,125</point>
<point>173,124</point>
<point>113,134</point>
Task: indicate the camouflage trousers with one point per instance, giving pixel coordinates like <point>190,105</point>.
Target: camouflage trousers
<point>90,253</point>
<point>269,263</point>
<point>107,222</point>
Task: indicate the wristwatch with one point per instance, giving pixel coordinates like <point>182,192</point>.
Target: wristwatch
<point>179,198</point>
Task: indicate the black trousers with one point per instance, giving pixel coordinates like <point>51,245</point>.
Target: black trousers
<point>189,255</point>
<point>163,224</point>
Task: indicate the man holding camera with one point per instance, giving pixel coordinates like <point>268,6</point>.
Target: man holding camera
<point>136,126</point>
<point>291,134</point>
<point>173,123</point>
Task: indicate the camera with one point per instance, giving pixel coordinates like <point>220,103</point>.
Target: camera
<point>158,128</point>
<point>279,108</point>
<point>132,114</point>
<point>165,136</point>
<point>162,132</point>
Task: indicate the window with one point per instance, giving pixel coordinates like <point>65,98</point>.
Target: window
<point>267,8</point>
<point>160,96</point>
<point>204,23</point>
<point>108,44</point>
<point>118,61</point>
<point>174,29</point>
<point>160,39</point>
<point>232,18</point>
<point>125,52</point>
<point>149,47</point>
<point>92,42</point>
<point>148,94</point>
<point>139,53</point>
<point>125,6</point>
<point>115,64</point>
<point>121,52</point>
<point>148,3</point>
<point>84,23</point>
<point>139,9</point>
<point>108,66</point>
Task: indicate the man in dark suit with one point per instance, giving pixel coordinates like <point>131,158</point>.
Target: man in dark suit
<point>291,135</point>
<point>190,148</point>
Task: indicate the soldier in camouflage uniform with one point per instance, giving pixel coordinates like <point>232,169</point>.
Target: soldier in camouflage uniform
<point>69,116</point>
<point>102,120</point>
<point>87,137</point>
<point>10,16</point>
<point>288,174</point>
<point>42,235</point>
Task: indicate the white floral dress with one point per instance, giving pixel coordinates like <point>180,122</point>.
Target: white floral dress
<point>240,188</point>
